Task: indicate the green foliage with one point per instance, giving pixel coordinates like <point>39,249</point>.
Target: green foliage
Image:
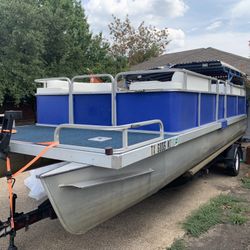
<point>246,182</point>
<point>45,38</point>
<point>21,47</point>
<point>136,44</point>
<point>177,245</point>
<point>222,209</point>
<point>237,219</point>
<point>203,219</point>
<point>67,39</point>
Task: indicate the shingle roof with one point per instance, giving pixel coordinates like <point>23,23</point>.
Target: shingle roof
<point>202,54</point>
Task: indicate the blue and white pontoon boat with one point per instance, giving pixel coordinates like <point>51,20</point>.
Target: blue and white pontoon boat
<point>123,140</point>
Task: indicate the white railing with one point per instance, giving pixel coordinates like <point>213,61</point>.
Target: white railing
<point>229,88</point>
<point>124,129</point>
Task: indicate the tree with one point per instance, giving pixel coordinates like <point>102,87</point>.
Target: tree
<point>137,44</point>
<point>21,47</point>
<point>46,38</point>
<point>66,37</point>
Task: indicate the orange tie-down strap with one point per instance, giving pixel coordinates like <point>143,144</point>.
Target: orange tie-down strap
<point>10,178</point>
<point>13,131</point>
<point>49,145</point>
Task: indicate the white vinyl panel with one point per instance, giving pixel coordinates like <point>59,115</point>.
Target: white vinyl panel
<point>197,83</point>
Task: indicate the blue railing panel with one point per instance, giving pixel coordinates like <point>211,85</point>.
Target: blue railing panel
<point>208,108</point>
<point>177,110</point>
<point>92,109</point>
<point>221,109</point>
<point>241,105</point>
<point>52,109</point>
<point>231,106</point>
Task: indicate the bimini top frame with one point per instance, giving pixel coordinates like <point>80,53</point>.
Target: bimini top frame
<point>218,69</point>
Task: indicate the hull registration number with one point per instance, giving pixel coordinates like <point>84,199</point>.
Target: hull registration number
<point>159,147</point>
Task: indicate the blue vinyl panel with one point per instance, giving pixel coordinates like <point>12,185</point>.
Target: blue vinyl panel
<point>52,109</point>
<point>221,107</point>
<point>241,105</point>
<point>92,109</point>
<point>208,108</point>
<point>231,106</point>
<point>177,110</point>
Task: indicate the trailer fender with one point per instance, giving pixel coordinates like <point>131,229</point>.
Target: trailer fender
<point>229,153</point>
<point>232,159</point>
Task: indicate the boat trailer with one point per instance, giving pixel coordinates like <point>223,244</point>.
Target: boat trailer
<point>17,221</point>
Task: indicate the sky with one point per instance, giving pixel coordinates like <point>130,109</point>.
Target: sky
<point>192,24</point>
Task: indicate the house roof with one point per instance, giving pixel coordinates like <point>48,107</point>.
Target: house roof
<point>197,55</point>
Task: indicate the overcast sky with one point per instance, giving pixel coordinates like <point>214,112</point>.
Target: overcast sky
<point>222,24</point>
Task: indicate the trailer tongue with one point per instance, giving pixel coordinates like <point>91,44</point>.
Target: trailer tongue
<point>24,220</point>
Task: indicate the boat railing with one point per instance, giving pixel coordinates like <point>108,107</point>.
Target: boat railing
<point>124,129</point>
<point>184,83</point>
<point>229,88</point>
<point>187,73</point>
<point>44,81</point>
<point>233,87</point>
<point>80,77</point>
<point>212,86</point>
<point>113,111</point>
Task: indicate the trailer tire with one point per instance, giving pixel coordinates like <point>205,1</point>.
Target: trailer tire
<point>233,165</point>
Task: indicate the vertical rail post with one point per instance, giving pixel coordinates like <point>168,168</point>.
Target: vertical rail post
<point>125,138</point>
<point>210,85</point>
<point>185,80</point>
<point>237,105</point>
<point>225,100</point>
<point>113,96</point>
<point>217,101</point>
<point>71,103</point>
<point>199,109</point>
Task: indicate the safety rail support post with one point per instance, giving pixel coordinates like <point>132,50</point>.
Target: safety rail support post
<point>217,101</point>
<point>125,138</point>
<point>237,105</point>
<point>225,100</point>
<point>199,109</point>
<point>185,79</point>
<point>210,85</point>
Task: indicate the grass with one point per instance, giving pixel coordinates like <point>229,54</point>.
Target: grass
<point>245,182</point>
<point>237,219</point>
<point>221,209</point>
<point>177,245</point>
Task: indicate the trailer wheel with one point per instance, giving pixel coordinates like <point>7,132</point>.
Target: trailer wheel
<point>233,165</point>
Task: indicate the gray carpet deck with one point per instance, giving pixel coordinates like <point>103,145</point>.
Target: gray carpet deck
<point>80,137</point>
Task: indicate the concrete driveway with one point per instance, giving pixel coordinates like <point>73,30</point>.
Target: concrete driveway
<point>151,224</point>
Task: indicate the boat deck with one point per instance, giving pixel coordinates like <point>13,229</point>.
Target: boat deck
<point>88,146</point>
<point>82,137</point>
